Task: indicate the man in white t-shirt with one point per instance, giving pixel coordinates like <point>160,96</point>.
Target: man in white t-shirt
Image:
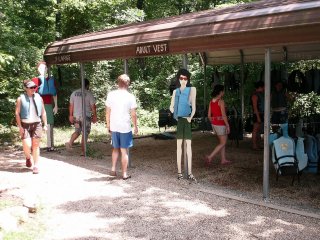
<point>120,107</point>
<point>75,113</point>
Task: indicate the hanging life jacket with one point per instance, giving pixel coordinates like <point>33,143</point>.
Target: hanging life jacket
<point>182,107</point>
<point>47,86</point>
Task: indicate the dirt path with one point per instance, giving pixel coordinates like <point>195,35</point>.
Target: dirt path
<point>82,201</point>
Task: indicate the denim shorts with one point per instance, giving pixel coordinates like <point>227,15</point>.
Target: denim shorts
<point>122,140</point>
<point>220,130</point>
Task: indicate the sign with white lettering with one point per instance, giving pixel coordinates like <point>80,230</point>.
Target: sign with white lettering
<point>152,49</point>
<point>63,58</point>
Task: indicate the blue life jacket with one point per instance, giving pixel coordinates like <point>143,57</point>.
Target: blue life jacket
<point>182,107</point>
<point>302,157</point>
<point>47,86</point>
<point>25,105</point>
<point>312,152</point>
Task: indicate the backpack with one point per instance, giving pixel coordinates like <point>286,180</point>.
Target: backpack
<point>284,157</point>
<point>166,118</point>
<point>297,82</point>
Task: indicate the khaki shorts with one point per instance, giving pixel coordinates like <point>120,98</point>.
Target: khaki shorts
<point>183,129</point>
<point>31,130</point>
<point>78,124</point>
<point>220,130</point>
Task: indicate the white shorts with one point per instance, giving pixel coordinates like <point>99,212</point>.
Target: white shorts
<point>219,129</point>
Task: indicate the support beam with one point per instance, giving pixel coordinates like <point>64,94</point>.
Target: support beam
<point>185,61</point>
<point>126,66</point>
<point>84,120</point>
<point>126,71</point>
<point>266,151</point>
<point>242,84</point>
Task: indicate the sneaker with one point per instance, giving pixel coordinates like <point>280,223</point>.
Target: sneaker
<point>180,176</point>
<point>35,170</point>
<point>28,162</point>
<point>68,146</point>
<point>192,178</point>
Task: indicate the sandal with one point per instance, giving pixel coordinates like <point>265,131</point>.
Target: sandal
<point>50,149</point>
<point>127,177</point>
<point>113,173</point>
<point>180,176</point>
<point>192,178</point>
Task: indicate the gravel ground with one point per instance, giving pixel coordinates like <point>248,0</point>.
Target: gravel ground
<point>83,201</point>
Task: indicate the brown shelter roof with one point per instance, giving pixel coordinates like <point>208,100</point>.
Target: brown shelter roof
<point>290,28</point>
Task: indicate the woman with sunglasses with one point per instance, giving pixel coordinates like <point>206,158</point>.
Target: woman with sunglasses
<point>183,107</point>
<point>29,111</point>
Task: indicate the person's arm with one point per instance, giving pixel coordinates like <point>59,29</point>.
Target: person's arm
<point>108,111</point>
<point>55,108</point>
<point>172,101</point>
<point>71,106</point>
<point>209,112</point>
<point>193,95</point>
<point>224,115</point>
<point>94,113</point>
<point>18,118</point>
<point>134,119</point>
<point>254,99</point>
<point>44,116</point>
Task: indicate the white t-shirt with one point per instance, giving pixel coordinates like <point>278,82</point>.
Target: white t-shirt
<point>76,100</point>
<point>121,102</point>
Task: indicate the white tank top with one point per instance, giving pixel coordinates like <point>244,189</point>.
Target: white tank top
<point>33,117</point>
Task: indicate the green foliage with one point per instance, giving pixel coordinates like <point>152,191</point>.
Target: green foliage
<point>148,118</point>
<point>305,105</point>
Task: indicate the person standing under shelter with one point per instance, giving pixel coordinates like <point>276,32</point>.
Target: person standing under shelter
<point>279,105</point>
<point>75,114</point>
<point>183,107</point>
<point>257,103</point>
<point>29,111</point>
<point>120,106</point>
<point>219,121</point>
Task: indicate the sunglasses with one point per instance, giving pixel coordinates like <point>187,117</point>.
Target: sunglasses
<point>183,78</point>
<point>34,87</point>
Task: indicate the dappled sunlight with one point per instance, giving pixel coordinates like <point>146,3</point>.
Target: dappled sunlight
<point>258,221</point>
<point>87,225</point>
<point>272,233</point>
<point>192,207</point>
<point>298,226</point>
<point>270,228</point>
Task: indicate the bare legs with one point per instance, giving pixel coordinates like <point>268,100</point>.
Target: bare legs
<point>31,146</point>
<point>221,147</point>
<point>256,135</point>
<point>74,136</point>
<point>124,160</point>
<point>189,158</point>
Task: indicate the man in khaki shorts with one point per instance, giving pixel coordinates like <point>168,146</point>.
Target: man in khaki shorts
<point>75,114</point>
